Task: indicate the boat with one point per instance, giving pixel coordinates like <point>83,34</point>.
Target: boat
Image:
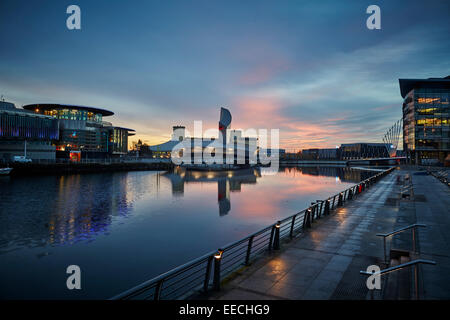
<point>5,171</point>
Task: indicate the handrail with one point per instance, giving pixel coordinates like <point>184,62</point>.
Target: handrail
<point>269,235</point>
<point>385,235</point>
<point>144,285</point>
<point>401,230</point>
<point>398,267</point>
<point>414,263</point>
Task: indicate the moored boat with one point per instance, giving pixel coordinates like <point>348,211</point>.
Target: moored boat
<point>5,171</point>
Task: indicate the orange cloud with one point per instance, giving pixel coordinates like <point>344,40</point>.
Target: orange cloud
<point>258,113</point>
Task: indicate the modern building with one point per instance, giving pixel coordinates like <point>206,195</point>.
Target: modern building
<point>426,124</point>
<point>25,133</point>
<point>83,133</point>
<point>320,154</point>
<point>242,149</point>
<point>363,150</point>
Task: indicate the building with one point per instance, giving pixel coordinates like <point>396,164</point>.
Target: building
<point>320,154</point>
<point>426,110</point>
<point>242,149</point>
<point>363,150</point>
<point>83,133</point>
<point>25,133</point>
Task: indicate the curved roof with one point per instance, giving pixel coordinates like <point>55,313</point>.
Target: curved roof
<point>406,85</point>
<point>48,106</point>
<point>127,129</point>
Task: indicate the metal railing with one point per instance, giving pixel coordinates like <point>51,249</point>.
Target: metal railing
<point>412,226</point>
<point>403,266</point>
<point>207,272</point>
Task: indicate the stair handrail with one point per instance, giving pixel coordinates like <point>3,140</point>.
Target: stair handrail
<point>401,230</point>
<point>402,266</point>
<point>398,267</point>
<point>412,226</point>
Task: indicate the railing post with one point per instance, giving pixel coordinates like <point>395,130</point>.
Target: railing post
<point>307,220</point>
<point>217,260</point>
<point>158,287</point>
<point>276,241</point>
<point>249,249</point>
<point>207,274</point>
<point>326,210</point>
<point>416,281</point>
<point>334,200</point>
<point>384,250</point>
<point>414,239</point>
<point>291,232</point>
<point>350,194</point>
<point>313,211</point>
<point>340,203</point>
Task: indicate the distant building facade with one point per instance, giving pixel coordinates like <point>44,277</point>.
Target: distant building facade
<point>363,150</point>
<point>25,133</point>
<point>233,144</point>
<point>320,154</point>
<point>82,131</point>
<point>426,119</point>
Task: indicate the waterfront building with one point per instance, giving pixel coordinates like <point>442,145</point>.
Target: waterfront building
<point>25,133</point>
<point>426,123</point>
<point>363,150</point>
<point>83,133</point>
<point>320,154</point>
<point>235,144</point>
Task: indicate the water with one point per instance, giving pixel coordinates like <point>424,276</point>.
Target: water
<point>124,228</point>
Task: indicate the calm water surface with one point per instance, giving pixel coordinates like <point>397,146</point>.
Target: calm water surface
<point>124,228</point>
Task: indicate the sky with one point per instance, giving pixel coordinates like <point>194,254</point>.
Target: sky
<point>311,69</point>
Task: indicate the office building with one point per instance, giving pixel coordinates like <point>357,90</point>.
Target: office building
<point>426,110</point>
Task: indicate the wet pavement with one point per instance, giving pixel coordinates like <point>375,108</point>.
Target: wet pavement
<point>324,262</point>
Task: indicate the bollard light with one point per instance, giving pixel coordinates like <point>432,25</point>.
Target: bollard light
<point>276,240</point>
<point>217,260</point>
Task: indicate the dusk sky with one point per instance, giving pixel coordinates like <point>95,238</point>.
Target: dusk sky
<point>309,68</point>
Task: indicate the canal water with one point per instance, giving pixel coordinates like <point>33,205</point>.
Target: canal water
<point>126,227</point>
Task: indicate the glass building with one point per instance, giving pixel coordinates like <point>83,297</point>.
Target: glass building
<point>426,126</point>
<point>21,130</point>
<point>83,131</point>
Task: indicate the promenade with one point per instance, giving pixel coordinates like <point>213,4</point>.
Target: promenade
<point>324,262</point>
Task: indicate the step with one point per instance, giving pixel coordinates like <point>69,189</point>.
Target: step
<point>398,283</point>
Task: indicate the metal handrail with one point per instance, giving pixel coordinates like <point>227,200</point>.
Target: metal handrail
<point>401,230</point>
<point>385,235</point>
<point>149,283</point>
<point>398,267</point>
<point>414,263</point>
<point>270,234</point>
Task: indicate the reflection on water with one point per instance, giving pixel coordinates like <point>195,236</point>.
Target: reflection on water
<point>232,181</point>
<point>67,209</point>
<point>135,222</point>
<point>227,181</point>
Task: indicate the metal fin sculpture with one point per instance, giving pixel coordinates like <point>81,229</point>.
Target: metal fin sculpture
<point>392,138</point>
<point>224,124</point>
<point>225,119</point>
